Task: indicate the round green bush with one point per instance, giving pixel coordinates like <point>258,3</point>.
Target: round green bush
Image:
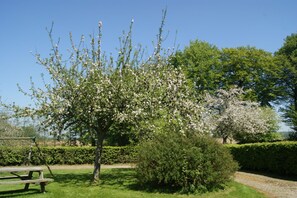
<point>189,164</point>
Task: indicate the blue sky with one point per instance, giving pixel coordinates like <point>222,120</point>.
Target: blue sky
<point>229,23</point>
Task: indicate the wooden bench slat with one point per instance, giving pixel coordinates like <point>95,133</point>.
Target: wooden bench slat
<point>30,181</point>
<point>18,169</point>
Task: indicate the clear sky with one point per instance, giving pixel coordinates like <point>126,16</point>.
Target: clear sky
<point>224,23</point>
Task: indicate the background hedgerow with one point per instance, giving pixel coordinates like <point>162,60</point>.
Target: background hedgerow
<point>277,157</point>
<point>11,156</point>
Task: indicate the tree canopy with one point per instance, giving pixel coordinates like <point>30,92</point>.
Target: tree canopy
<point>287,61</point>
<point>249,68</point>
<point>201,63</point>
<point>253,70</point>
<point>235,118</point>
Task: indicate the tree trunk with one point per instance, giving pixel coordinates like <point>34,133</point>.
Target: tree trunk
<point>295,108</point>
<point>225,138</point>
<point>98,155</point>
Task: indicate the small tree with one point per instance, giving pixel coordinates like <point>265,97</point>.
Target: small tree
<point>89,93</point>
<point>232,117</point>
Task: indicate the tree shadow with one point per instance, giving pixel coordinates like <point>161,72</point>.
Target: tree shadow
<point>127,179</point>
<point>121,178</point>
<point>18,193</point>
<point>79,179</point>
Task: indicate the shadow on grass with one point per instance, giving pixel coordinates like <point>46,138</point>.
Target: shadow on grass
<point>127,179</point>
<point>18,193</point>
<point>79,179</point>
<point>120,178</point>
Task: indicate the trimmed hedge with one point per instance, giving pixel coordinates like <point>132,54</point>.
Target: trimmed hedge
<point>12,156</point>
<point>278,157</point>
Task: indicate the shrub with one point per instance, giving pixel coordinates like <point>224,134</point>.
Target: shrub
<point>191,164</point>
<point>278,157</point>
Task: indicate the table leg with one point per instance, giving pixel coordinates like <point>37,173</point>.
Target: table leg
<point>29,177</point>
<point>42,187</point>
<point>40,174</point>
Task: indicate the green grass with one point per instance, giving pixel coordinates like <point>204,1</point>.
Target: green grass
<point>114,183</point>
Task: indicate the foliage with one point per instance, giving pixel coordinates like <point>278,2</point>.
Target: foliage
<point>259,137</point>
<point>200,62</point>
<point>209,69</point>
<point>287,60</point>
<point>253,70</point>
<point>271,135</point>
<point>194,163</point>
<point>232,117</point>
<point>121,134</point>
<point>290,116</point>
<point>278,157</point>
<point>13,156</point>
<point>292,136</point>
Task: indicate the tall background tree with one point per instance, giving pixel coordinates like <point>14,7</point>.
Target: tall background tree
<point>249,68</point>
<point>201,63</point>
<point>253,70</point>
<point>287,61</point>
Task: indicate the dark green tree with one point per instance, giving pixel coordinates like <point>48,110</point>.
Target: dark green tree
<point>209,69</point>
<point>201,63</point>
<point>253,70</point>
<point>287,60</point>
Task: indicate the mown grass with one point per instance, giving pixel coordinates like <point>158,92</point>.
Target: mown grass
<point>114,183</point>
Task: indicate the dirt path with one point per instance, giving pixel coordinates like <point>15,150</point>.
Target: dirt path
<point>271,187</point>
<point>88,166</point>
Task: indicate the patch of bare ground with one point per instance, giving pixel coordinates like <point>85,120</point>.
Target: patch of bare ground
<point>88,166</point>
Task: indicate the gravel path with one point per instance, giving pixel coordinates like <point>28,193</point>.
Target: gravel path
<point>271,187</point>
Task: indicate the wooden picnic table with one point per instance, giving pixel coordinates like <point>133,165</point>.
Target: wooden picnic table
<point>10,176</point>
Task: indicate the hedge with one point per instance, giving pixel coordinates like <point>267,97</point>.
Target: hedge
<point>278,157</point>
<point>12,156</point>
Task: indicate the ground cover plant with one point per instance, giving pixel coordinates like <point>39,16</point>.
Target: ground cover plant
<point>115,183</point>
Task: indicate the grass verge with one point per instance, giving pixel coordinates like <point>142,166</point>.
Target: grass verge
<point>114,183</point>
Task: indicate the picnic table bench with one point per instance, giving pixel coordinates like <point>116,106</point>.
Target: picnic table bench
<point>27,178</point>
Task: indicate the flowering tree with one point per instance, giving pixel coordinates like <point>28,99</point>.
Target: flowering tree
<point>232,117</point>
<point>89,93</point>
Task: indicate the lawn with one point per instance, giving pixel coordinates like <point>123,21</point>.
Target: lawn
<point>114,183</point>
